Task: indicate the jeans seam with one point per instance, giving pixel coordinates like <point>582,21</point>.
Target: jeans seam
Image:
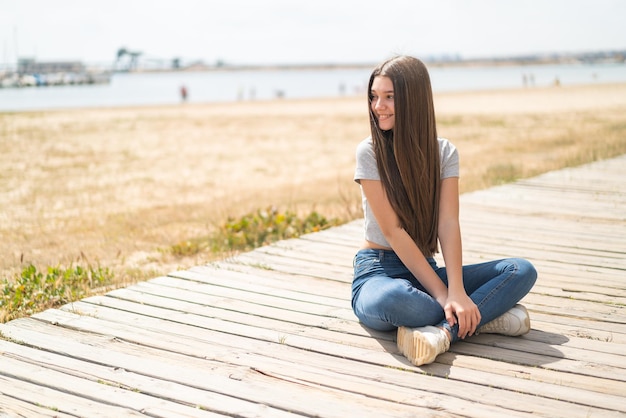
<point>501,284</point>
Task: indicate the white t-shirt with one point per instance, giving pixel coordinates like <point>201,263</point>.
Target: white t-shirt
<point>366,169</point>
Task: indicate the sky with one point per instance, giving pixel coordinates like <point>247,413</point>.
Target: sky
<point>299,32</point>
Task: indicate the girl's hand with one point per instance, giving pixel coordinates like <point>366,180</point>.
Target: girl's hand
<point>459,308</point>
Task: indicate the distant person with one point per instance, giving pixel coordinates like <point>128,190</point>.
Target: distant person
<point>409,180</point>
<point>183,93</point>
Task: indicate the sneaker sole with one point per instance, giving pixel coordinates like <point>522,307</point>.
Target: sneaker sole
<point>415,347</point>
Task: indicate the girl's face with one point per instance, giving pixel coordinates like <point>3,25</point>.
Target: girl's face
<point>382,102</point>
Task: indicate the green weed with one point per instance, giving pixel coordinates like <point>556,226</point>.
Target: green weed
<point>32,290</point>
<point>254,230</point>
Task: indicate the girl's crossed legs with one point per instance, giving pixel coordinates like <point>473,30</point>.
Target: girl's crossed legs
<point>385,295</point>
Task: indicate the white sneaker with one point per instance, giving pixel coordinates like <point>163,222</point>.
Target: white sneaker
<point>513,322</point>
<point>422,345</point>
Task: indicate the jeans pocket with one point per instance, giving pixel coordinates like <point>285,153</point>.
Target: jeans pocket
<point>363,264</point>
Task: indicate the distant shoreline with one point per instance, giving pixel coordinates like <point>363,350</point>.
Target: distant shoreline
<point>594,57</point>
<point>588,57</point>
<point>487,62</point>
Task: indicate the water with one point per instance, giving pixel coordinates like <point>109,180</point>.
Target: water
<point>227,86</point>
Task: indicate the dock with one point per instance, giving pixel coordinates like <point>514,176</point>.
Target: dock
<point>270,332</point>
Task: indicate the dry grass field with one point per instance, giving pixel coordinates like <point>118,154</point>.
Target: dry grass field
<point>120,186</point>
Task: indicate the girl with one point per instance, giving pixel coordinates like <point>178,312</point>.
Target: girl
<point>409,182</point>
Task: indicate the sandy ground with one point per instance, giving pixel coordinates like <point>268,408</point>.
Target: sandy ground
<point>120,186</point>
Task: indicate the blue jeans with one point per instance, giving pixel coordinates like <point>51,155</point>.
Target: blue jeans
<point>385,295</point>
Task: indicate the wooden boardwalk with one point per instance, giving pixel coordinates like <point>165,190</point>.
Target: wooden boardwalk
<point>270,333</point>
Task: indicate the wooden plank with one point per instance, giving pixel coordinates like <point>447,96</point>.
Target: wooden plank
<point>615,315</point>
<point>35,386</point>
<point>253,286</point>
<point>14,407</point>
<point>533,364</point>
<point>285,265</point>
<point>217,404</point>
<point>130,330</point>
<point>604,400</point>
<point>191,318</point>
<point>300,398</point>
<point>564,236</point>
<point>245,274</point>
<point>243,300</point>
<point>579,291</point>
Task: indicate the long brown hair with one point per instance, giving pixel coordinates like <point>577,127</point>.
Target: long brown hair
<point>408,155</point>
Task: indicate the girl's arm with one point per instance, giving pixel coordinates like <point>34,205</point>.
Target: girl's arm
<point>401,242</point>
<point>449,231</point>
